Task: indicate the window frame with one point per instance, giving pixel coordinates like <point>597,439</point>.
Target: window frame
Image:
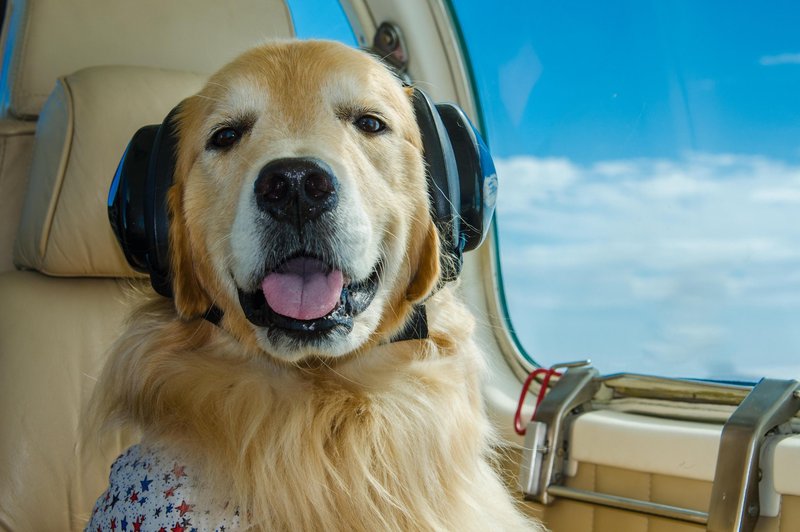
<point>447,60</point>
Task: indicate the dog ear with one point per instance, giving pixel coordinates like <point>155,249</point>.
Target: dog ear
<point>428,253</point>
<point>428,267</point>
<point>191,300</point>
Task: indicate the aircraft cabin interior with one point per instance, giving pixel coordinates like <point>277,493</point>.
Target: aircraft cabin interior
<point>636,299</point>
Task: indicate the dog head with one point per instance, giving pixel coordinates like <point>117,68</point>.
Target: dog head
<point>299,205</point>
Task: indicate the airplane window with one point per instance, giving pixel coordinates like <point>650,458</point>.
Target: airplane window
<point>321,19</point>
<point>649,163</point>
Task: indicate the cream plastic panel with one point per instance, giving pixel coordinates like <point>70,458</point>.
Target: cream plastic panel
<point>570,516</point>
<point>435,60</point>
<point>646,444</point>
<point>683,449</point>
<point>51,38</point>
<point>82,133</point>
<point>786,472</point>
<point>437,66</point>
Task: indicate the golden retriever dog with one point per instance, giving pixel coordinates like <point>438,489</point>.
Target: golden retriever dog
<point>299,208</point>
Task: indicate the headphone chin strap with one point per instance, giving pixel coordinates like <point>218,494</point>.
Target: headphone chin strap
<point>415,329</point>
<point>214,315</point>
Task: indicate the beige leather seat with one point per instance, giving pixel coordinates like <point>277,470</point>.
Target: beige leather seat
<point>63,306</point>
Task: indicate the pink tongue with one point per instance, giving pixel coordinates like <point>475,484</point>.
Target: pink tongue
<point>303,291</point>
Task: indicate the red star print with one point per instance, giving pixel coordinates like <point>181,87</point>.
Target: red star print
<point>177,528</point>
<point>170,492</point>
<point>137,525</point>
<point>134,497</point>
<point>178,471</point>
<point>184,508</point>
<point>113,524</point>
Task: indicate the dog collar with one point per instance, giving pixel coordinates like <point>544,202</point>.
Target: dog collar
<point>415,329</point>
<point>214,315</point>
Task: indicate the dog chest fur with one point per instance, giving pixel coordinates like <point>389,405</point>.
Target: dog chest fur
<point>386,442</point>
<point>339,429</point>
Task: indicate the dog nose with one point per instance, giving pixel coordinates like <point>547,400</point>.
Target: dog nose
<point>296,190</point>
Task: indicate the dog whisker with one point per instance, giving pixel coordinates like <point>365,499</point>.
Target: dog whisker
<point>209,98</point>
<point>342,376</point>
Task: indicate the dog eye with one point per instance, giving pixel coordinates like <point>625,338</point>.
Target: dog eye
<point>369,124</point>
<point>224,138</point>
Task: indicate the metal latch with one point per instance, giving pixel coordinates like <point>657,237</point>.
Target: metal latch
<point>545,452</point>
<point>767,409</point>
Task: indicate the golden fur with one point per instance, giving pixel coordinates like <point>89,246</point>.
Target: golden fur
<point>386,436</point>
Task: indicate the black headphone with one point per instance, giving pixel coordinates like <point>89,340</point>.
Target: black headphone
<point>462,186</point>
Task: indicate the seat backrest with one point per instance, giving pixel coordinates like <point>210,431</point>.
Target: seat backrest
<point>45,39</point>
<point>59,317</point>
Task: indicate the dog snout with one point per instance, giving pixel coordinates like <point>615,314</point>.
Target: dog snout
<point>296,190</point>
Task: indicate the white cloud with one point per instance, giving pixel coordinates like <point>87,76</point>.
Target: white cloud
<point>720,207</point>
<point>527,180</point>
<point>688,339</point>
<point>778,195</point>
<point>780,59</point>
<point>783,371</point>
<point>661,260</point>
<point>615,168</point>
<point>676,186</point>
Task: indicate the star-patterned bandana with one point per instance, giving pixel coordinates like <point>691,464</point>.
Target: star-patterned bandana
<point>149,491</point>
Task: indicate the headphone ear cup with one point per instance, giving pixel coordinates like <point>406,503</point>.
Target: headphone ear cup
<point>476,175</point>
<point>160,176</point>
<point>137,201</point>
<point>126,198</point>
<point>443,183</point>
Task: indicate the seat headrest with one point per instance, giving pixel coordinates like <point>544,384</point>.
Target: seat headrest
<point>83,130</point>
<point>45,39</point>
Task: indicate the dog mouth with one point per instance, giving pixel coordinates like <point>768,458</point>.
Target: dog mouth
<point>305,297</point>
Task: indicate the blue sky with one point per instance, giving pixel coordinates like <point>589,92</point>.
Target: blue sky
<point>321,19</point>
<point>649,162</point>
<point>591,80</point>
<point>649,187</point>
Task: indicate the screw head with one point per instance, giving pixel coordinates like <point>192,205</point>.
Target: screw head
<point>387,38</point>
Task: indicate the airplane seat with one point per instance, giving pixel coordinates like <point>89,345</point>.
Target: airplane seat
<point>67,298</point>
<point>44,39</point>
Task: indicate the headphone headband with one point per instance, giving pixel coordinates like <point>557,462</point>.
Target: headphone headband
<point>461,178</point>
<point>476,175</point>
<point>159,179</point>
<point>443,182</point>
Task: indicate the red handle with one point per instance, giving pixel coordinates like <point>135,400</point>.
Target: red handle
<point>548,373</point>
